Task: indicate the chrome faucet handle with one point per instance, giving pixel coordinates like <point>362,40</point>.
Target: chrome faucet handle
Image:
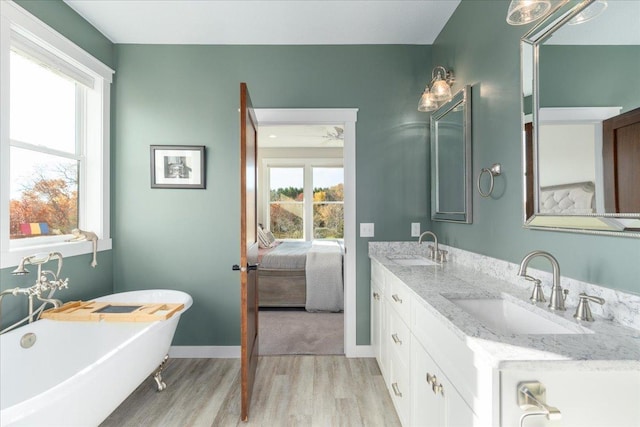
<point>432,252</point>
<point>583,311</point>
<point>537,295</point>
<point>442,255</point>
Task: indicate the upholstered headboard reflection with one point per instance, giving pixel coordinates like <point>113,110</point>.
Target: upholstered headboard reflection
<point>574,199</point>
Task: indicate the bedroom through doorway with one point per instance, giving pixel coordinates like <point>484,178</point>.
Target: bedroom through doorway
<point>301,207</point>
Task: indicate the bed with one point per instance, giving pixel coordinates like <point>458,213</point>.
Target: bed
<point>302,274</point>
<point>569,199</point>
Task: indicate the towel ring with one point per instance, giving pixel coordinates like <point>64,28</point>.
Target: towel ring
<point>494,171</point>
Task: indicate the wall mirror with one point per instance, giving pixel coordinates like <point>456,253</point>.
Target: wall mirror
<point>451,159</point>
<point>581,109</point>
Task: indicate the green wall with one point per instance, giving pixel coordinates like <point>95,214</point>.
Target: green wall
<point>67,22</point>
<point>84,282</point>
<point>483,50</point>
<point>568,77</point>
<point>189,239</point>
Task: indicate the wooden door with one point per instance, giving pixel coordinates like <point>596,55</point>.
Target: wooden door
<point>621,157</point>
<point>248,249</point>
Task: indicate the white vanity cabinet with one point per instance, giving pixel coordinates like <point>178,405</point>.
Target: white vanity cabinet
<point>436,379</point>
<point>405,361</point>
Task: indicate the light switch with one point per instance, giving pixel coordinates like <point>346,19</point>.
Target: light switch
<point>415,229</point>
<point>366,229</point>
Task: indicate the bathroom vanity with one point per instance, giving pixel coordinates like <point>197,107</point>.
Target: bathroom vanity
<point>455,345</point>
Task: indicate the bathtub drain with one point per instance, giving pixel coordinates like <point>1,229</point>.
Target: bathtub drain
<point>28,340</point>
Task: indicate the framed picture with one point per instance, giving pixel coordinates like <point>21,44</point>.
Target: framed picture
<point>177,166</point>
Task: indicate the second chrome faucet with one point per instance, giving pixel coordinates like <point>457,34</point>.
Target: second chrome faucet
<point>558,296</point>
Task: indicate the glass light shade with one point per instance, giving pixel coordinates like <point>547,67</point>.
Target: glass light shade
<point>440,90</point>
<point>590,12</point>
<point>525,11</point>
<point>427,103</point>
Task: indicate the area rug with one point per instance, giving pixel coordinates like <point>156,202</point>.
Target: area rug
<point>300,332</point>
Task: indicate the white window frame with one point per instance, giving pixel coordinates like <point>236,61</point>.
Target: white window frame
<point>94,207</point>
<point>307,164</point>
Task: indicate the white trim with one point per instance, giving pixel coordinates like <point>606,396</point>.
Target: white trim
<point>233,352</point>
<point>94,209</point>
<point>572,115</point>
<point>204,352</point>
<point>305,163</point>
<point>348,116</point>
<point>29,26</point>
<point>363,351</point>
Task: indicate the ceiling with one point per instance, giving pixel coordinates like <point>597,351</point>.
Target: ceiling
<point>267,22</point>
<point>307,136</point>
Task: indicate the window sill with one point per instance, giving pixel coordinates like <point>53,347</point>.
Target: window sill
<point>12,257</point>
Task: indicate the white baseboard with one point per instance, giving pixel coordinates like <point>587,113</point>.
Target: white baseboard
<point>362,351</point>
<point>233,352</point>
<point>204,352</point>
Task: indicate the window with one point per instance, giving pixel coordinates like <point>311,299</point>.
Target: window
<point>44,159</point>
<point>55,140</point>
<point>328,203</point>
<point>305,200</point>
<point>286,202</point>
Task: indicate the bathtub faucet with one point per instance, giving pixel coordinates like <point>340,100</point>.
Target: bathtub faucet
<point>47,282</point>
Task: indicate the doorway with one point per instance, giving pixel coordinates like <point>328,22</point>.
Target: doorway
<point>339,124</point>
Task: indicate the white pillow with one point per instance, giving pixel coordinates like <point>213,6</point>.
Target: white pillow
<point>270,237</point>
<point>263,240</point>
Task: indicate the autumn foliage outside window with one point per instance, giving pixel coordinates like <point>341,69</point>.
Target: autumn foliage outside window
<point>287,204</point>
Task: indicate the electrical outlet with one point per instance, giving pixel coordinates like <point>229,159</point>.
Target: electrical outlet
<point>366,229</point>
<point>415,229</point>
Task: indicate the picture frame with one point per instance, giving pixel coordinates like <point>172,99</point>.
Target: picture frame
<point>178,166</point>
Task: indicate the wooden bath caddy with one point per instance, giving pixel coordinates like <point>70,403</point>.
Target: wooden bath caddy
<point>92,311</point>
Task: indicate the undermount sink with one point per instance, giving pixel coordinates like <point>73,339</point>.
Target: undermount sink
<point>507,317</point>
<point>411,260</point>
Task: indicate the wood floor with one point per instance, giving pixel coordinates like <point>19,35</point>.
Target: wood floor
<point>289,391</point>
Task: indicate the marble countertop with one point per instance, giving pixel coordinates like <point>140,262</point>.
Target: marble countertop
<point>606,345</point>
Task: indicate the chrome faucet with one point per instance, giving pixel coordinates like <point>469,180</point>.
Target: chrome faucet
<point>46,281</point>
<point>557,294</point>
<point>434,253</point>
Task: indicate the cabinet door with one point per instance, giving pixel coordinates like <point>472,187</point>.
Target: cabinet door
<point>427,406</point>
<point>457,412</point>
<point>435,402</point>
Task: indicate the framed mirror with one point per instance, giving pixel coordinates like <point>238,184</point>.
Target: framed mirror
<point>451,159</point>
<point>581,110</point>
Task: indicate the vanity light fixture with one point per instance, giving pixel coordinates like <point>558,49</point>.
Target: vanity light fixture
<point>525,11</point>
<point>592,11</point>
<point>427,103</point>
<point>440,91</point>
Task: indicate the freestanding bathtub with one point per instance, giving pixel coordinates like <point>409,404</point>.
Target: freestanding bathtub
<point>77,373</point>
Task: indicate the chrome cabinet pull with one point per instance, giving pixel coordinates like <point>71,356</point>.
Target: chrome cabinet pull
<point>431,379</point>
<point>396,389</point>
<point>396,298</point>
<point>436,387</point>
<point>396,339</point>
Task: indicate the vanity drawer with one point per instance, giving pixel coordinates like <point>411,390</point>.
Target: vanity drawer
<point>398,337</point>
<point>399,297</point>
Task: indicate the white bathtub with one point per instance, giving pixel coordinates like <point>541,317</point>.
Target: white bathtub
<point>77,373</point>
